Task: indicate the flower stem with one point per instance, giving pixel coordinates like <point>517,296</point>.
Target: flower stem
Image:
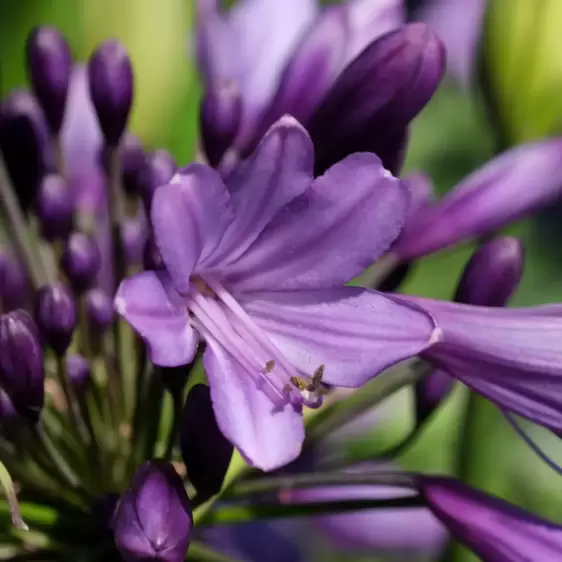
<point>173,435</point>
<point>8,486</point>
<point>17,230</point>
<point>198,551</point>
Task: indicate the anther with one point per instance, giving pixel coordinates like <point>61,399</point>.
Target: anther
<point>299,383</point>
<point>317,379</point>
<point>269,366</point>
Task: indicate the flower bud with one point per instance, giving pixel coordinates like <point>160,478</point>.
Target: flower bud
<point>55,208</point>
<point>221,111</point>
<point>153,518</point>
<point>24,144</point>
<point>21,363</point>
<point>133,237</point>
<point>152,260</point>
<point>132,157</point>
<point>158,169</point>
<point>56,316</point>
<point>78,371</point>
<point>14,285</point>
<point>11,422</point>
<point>371,103</point>
<point>111,88</point>
<point>81,261</point>
<point>49,64</point>
<point>100,310</point>
<point>205,451</point>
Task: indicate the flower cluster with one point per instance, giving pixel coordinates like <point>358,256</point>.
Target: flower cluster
<point>242,263</point>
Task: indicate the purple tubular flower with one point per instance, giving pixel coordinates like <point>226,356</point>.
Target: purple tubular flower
<point>55,207</point>
<point>78,371</point>
<point>158,169</point>
<point>489,279</point>
<point>258,269</point>
<point>509,187</point>
<point>14,285</point>
<point>111,88</point>
<point>153,518</point>
<point>372,102</point>
<point>284,56</point>
<point>56,316</point>
<point>221,111</point>
<point>132,162</point>
<point>133,237</point>
<point>421,192</point>
<point>493,528</point>
<point>22,374</point>
<point>81,261</point>
<point>49,63</point>
<point>205,451</point>
<point>24,144</point>
<point>100,310</point>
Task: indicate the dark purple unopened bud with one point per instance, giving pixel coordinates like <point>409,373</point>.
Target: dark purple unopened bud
<point>14,285</point>
<point>493,273</point>
<point>81,261</point>
<point>56,316</point>
<point>221,111</point>
<point>111,88</point>
<point>132,157</point>
<point>152,260</point>
<point>55,208</point>
<point>153,518</point>
<point>78,371</point>
<point>24,143</point>
<point>21,363</point>
<point>158,169</point>
<point>370,105</point>
<point>100,310</point>
<point>133,238</point>
<point>205,451</point>
<point>49,64</point>
<point>489,279</point>
<point>11,422</point>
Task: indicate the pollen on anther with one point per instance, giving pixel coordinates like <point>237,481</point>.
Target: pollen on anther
<point>299,383</point>
<point>269,366</point>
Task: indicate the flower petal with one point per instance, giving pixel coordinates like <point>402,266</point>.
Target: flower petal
<point>511,356</point>
<point>353,332</point>
<point>189,217</point>
<point>493,528</point>
<point>154,310</point>
<point>421,193</point>
<point>512,185</point>
<point>279,170</point>
<point>267,436</point>
<point>341,225</point>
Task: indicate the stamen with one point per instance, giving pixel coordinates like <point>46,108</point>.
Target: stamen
<point>300,383</point>
<point>202,287</point>
<point>317,378</point>
<point>269,366</point>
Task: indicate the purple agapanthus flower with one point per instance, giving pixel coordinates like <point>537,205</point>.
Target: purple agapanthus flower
<point>493,528</point>
<point>323,67</point>
<point>257,268</point>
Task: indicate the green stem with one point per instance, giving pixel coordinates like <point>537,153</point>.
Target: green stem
<point>231,514</point>
<point>339,413</point>
<point>201,553</point>
<point>10,493</point>
<point>17,229</point>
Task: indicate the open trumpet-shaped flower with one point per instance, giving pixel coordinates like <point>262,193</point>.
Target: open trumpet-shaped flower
<point>257,268</point>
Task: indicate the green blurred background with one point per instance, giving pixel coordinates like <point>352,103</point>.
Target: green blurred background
<point>450,138</point>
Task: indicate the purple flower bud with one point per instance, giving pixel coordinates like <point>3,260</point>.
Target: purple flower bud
<point>205,451</point>
<point>221,111</point>
<point>158,169</point>
<point>100,310</point>
<point>132,162</point>
<point>78,371</point>
<point>11,422</point>
<point>370,105</point>
<point>489,279</point>
<point>24,143</point>
<point>493,528</point>
<point>56,316</point>
<point>133,238</point>
<point>493,273</point>
<point>153,518</point>
<point>49,63</point>
<point>81,261</point>
<point>111,88</point>
<point>21,363</point>
<point>152,260</point>
<point>55,207</point>
<point>14,285</point>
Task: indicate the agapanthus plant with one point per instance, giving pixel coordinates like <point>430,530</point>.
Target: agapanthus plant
<point>129,444</point>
